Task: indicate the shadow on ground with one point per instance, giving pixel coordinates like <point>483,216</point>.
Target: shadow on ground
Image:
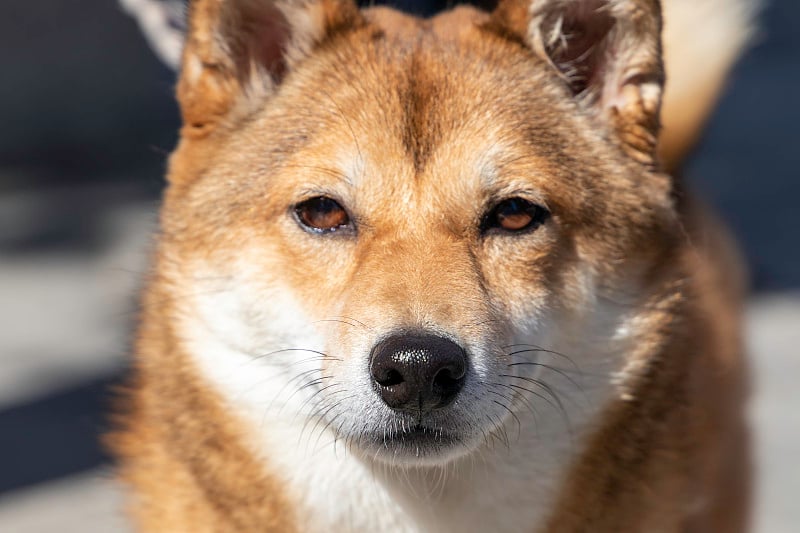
<point>56,435</point>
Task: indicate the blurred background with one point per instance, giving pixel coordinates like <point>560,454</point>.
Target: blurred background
<point>89,119</point>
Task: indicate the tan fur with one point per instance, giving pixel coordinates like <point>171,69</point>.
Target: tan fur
<point>214,485</point>
<point>704,467</point>
<point>433,120</point>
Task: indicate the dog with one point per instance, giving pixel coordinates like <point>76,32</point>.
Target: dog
<point>439,275</point>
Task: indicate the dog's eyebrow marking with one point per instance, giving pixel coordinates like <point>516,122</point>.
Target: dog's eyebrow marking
<point>350,167</point>
<point>332,172</point>
<point>500,158</point>
<point>489,162</point>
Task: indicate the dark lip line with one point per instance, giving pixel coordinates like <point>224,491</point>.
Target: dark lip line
<point>415,433</point>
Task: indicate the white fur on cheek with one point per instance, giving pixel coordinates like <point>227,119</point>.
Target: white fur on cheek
<point>259,350</point>
<point>249,340</point>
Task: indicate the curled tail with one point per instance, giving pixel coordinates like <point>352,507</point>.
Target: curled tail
<point>702,40</point>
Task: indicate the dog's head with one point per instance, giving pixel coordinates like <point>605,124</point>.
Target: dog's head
<point>416,234</point>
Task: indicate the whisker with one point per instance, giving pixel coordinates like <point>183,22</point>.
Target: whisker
<point>310,398</point>
<point>283,350</point>
<point>540,384</point>
<point>540,396</point>
<point>532,348</point>
<point>342,114</point>
<point>328,423</point>
<point>564,371</point>
<point>503,436</point>
<point>310,383</point>
<point>516,418</point>
<point>286,385</point>
<point>517,396</point>
<point>318,415</point>
<point>344,320</point>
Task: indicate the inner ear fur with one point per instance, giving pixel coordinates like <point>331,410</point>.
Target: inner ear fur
<point>608,54</point>
<point>238,51</point>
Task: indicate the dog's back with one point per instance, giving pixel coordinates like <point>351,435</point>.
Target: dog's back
<point>430,276</point>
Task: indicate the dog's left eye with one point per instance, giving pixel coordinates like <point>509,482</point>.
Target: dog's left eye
<point>514,215</point>
<point>322,215</point>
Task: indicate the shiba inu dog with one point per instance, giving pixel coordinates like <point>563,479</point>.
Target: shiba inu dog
<point>432,275</point>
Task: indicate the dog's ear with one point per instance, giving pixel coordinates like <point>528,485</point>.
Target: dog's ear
<point>608,54</point>
<point>238,51</point>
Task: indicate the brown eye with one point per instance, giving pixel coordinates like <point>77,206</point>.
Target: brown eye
<point>322,214</point>
<point>513,215</point>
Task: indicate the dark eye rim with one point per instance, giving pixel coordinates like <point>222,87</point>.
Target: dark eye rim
<point>295,209</point>
<point>539,215</point>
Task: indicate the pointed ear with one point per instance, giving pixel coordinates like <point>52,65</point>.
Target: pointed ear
<point>238,51</point>
<point>608,53</point>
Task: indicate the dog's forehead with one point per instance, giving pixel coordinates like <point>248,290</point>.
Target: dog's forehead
<point>434,93</point>
<point>449,25</point>
<point>430,109</point>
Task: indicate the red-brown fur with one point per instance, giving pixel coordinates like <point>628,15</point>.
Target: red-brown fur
<point>669,454</point>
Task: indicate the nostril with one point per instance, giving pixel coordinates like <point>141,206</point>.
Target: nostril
<point>393,377</point>
<point>444,378</point>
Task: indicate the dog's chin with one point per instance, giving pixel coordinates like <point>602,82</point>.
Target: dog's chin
<point>415,446</point>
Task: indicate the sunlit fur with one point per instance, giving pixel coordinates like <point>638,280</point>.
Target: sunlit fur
<point>604,385</point>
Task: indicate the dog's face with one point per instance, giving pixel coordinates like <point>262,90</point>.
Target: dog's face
<point>419,237</point>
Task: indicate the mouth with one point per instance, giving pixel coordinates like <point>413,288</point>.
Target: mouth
<point>415,442</point>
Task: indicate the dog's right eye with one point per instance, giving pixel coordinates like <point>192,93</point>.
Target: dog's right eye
<point>322,215</point>
<point>514,215</point>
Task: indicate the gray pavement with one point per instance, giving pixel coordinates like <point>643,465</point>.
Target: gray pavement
<point>90,502</point>
<point>66,319</point>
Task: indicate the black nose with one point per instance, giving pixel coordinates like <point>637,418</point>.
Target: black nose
<point>418,373</point>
